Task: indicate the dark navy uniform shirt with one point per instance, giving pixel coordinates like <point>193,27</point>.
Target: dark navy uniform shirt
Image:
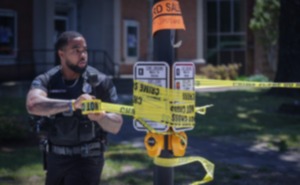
<point>73,128</point>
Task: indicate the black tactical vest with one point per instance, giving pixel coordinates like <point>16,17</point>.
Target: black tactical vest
<point>71,128</point>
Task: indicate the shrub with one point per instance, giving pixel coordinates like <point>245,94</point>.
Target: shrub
<point>258,78</point>
<point>221,72</point>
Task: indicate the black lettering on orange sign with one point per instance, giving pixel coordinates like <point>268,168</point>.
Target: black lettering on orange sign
<point>167,15</point>
<point>173,7</point>
<point>167,7</point>
<point>157,9</point>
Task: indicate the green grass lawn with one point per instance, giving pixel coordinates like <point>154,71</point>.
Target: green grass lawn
<point>126,165</point>
<point>244,115</point>
<point>251,115</point>
<point>21,165</point>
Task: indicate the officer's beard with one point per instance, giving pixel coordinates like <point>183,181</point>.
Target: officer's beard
<point>75,68</point>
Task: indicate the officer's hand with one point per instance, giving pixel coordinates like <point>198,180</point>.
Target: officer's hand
<point>78,101</point>
<point>97,116</point>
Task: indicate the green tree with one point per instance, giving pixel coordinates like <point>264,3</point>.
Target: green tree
<point>265,22</point>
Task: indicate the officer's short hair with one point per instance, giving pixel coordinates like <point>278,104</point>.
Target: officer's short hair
<point>64,38</point>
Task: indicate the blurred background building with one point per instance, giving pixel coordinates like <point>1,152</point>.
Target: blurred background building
<point>118,34</point>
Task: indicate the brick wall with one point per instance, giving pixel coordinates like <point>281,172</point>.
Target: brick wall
<point>189,36</point>
<point>137,10</point>
<point>24,13</point>
<point>24,10</point>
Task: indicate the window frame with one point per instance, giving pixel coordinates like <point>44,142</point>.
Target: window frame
<point>60,18</point>
<point>219,33</point>
<point>131,23</point>
<point>13,14</point>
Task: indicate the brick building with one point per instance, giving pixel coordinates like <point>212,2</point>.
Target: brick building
<point>118,34</point>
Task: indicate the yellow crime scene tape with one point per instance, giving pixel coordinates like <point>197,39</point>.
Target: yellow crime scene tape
<point>174,162</point>
<point>167,106</point>
<point>208,83</point>
<point>175,108</point>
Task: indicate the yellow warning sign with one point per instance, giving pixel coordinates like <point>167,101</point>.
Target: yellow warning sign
<point>166,14</point>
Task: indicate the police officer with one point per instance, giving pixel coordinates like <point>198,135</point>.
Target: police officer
<point>75,142</point>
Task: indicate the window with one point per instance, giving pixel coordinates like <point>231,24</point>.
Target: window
<point>131,40</point>
<point>65,17</point>
<point>226,31</point>
<point>60,25</point>
<point>8,39</point>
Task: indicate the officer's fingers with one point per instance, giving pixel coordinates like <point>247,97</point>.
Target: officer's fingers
<point>86,97</point>
<point>100,115</point>
<point>78,101</point>
<point>97,116</point>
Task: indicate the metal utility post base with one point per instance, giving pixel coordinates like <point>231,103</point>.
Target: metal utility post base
<point>164,175</point>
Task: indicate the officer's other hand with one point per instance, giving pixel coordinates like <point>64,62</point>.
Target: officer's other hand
<point>97,116</point>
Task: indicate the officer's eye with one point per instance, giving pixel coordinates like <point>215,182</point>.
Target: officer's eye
<point>79,50</point>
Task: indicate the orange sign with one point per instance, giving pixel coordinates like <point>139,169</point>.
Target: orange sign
<point>166,14</point>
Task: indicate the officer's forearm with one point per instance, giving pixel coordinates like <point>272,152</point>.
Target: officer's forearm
<point>45,106</point>
<point>111,122</point>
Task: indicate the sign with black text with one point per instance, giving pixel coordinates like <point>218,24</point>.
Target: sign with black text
<point>183,79</point>
<point>156,73</point>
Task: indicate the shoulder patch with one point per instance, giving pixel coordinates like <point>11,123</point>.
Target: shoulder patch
<point>36,83</point>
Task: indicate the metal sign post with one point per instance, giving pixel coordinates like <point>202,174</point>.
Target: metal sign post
<point>163,51</point>
<point>166,18</point>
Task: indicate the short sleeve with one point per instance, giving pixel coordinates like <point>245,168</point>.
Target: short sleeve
<point>40,82</point>
<point>107,91</point>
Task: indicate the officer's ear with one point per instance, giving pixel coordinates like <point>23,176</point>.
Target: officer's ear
<point>60,53</point>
